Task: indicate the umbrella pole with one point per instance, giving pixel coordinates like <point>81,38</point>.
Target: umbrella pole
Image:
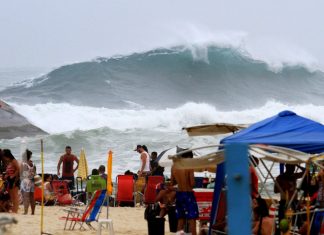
<point>42,204</point>
<point>107,195</point>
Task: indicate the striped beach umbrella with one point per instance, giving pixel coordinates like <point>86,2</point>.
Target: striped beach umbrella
<point>83,165</point>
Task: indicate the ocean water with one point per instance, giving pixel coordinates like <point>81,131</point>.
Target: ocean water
<point>147,97</point>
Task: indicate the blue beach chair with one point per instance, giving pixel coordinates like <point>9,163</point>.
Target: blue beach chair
<point>89,215</point>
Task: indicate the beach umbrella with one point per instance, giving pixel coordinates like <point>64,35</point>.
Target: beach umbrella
<point>109,178</point>
<point>109,173</point>
<point>163,158</point>
<point>83,165</point>
<point>214,129</point>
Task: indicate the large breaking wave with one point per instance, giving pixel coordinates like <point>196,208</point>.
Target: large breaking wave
<point>60,118</point>
<point>221,76</point>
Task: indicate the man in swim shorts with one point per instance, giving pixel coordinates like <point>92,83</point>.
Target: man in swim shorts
<point>68,170</point>
<point>186,204</point>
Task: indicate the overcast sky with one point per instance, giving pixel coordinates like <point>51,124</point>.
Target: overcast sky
<point>52,33</point>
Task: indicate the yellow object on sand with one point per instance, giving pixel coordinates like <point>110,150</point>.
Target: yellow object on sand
<point>83,165</point>
<point>109,173</point>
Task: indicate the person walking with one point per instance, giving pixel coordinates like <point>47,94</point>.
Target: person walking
<point>145,161</point>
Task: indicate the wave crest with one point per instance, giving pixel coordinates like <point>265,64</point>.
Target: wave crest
<point>57,118</point>
<point>168,77</point>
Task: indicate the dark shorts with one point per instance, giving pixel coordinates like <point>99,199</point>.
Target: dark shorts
<point>186,205</point>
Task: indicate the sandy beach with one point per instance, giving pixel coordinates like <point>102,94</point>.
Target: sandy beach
<point>126,220</point>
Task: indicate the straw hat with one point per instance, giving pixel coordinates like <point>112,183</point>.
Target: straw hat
<point>38,180</point>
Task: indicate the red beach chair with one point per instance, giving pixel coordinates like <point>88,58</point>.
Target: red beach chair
<point>150,190</point>
<point>62,192</point>
<point>125,189</point>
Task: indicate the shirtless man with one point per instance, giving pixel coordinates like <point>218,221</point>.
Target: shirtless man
<point>288,183</point>
<point>145,161</point>
<point>68,170</point>
<point>186,205</point>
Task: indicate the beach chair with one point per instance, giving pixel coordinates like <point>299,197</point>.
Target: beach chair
<point>62,192</point>
<point>150,190</point>
<point>125,189</point>
<point>87,216</point>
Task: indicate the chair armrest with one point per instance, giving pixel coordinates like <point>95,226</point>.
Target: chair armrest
<point>73,210</point>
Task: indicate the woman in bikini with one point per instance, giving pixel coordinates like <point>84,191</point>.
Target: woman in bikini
<point>12,177</point>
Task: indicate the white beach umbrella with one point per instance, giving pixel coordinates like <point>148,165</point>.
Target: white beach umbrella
<point>163,158</point>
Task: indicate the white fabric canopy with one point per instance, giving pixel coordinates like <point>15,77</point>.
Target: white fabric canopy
<point>266,152</point>
<point>214,129</point>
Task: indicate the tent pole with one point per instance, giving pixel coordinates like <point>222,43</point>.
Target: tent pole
<point>267,176</point>
<point>274,180</point>
<point>266,190</point>
<point>297,189</point>
<point>219,182</point>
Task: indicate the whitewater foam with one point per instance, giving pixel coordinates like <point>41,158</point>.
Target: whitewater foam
<point>64,117</point>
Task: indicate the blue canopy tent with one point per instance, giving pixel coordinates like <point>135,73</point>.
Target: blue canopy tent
<point>286,129</point>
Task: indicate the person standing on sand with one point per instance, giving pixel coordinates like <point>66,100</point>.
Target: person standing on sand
<point>28,171</point>
<point>68,170</point>
<point>186,204</point>
<point>102,172</point>
<point>288,184</point>
<point>12,177</point>
<point>156,169</point>
<point>145,161</point>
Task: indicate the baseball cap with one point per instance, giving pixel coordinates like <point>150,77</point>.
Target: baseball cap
<point>137,147</point>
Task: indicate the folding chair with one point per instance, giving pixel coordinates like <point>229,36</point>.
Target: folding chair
<point>90,214</point>
<point>150,190</point>
<point>125,189</point>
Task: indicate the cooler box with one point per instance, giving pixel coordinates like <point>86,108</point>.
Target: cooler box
<point>204,199</point>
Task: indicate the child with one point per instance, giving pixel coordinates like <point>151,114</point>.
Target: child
<point>165,197</point>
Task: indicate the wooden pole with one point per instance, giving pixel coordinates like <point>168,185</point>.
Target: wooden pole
<point>42,204</point>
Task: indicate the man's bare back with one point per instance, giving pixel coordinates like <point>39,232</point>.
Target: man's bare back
<point>184,178</point>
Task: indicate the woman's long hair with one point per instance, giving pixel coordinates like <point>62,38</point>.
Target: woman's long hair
<point>27,155</point>
<point>262,208</point>
<point>7,153</point>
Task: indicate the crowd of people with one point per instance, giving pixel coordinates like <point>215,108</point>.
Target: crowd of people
<point>178,191</point>
<point>18,178</point>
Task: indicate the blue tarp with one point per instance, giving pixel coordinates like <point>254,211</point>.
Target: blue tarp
<point>285,129</point>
